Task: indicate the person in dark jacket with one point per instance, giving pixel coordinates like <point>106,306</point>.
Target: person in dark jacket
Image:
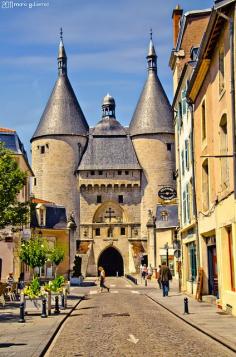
<point>166,275</point>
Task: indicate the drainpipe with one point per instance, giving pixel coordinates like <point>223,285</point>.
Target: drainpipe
<point>190,103</point>
<point>232,89</point>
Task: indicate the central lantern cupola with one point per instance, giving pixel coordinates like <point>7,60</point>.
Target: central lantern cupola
<point>151,56</point>
<point>108,106</point>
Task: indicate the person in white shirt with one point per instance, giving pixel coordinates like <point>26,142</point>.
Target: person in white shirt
<point>102,279</point>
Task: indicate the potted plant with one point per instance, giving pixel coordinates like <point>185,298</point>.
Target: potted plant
<point>77,277</point>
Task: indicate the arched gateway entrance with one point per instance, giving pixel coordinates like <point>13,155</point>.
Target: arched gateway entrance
<point>112,261</point>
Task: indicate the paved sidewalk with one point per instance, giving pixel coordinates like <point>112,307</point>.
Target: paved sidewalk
<point>204,316</point>
<point>30,338</point>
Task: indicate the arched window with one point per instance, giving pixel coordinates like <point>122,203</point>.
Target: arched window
<point>224,165</point>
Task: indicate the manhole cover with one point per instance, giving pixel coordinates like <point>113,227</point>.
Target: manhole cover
<point>112,314</point>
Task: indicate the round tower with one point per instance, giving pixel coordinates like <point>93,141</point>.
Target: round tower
<point>58,143</point>
<point>152,133</point>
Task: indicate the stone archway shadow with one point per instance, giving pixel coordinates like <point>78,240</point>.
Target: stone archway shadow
<point>112,262</point>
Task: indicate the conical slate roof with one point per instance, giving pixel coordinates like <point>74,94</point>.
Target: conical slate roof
<point>62,115</point>
<point>153,113</point>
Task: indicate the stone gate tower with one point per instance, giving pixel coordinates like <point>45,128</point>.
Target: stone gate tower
<point>152,133</point>
<point>58,143</point>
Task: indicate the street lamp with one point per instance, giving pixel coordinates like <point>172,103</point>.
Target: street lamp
<point>166,246</point>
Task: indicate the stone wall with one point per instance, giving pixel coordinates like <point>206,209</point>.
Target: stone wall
<point>158,167</point>
<point>55,168</point>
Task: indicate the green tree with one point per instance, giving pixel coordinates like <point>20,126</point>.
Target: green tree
<point>56,257</point>
<point>12,180</point>
<point>34,252</point>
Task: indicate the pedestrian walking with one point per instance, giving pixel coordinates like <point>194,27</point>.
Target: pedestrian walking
<point>10,280</point>
<point>144,271</point>
<point>21,282</point>
<point>166,276</point>
<point>102,279</point>
<point>159,276</point>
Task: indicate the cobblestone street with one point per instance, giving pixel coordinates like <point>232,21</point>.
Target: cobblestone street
<point>125,322</point>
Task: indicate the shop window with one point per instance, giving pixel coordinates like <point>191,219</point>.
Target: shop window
<point>119,172</point>
<point>100,173</point>
<point>126,172</point>
<point>92,173</point>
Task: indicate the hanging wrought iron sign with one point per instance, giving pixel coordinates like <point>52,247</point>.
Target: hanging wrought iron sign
<point>167,193</point>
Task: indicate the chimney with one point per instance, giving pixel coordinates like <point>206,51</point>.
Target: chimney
<point>176,16</point>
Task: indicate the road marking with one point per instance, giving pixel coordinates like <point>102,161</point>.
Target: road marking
<point>113,285</point>
<point>93,292</point>
<point>135,292</point>
<point>114,291</point>
<point>132,339</point>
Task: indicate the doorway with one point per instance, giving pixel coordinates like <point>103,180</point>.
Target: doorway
<point>112,262</point>
<point>212,270</point>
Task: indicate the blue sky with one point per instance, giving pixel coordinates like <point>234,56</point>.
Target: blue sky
<point>106,44</point>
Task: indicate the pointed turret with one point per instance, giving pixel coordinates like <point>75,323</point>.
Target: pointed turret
<point>62,58</point>
<point>62,115</point>
<point>153,113</point>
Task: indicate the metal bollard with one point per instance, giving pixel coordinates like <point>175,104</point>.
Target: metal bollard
<point>44,311</point>
<point>62,301</point>
<point>57,310</point>
<point>22,312</point>
<point>145,282</point>
<point>117,274</point>
<point>186,311</point>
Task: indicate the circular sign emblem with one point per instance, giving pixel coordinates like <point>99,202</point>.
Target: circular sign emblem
<point>167,193</point>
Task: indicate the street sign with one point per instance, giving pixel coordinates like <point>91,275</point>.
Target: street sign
<point>167,193</point>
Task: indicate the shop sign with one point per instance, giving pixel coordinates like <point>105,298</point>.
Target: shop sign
<point>167,193</point>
